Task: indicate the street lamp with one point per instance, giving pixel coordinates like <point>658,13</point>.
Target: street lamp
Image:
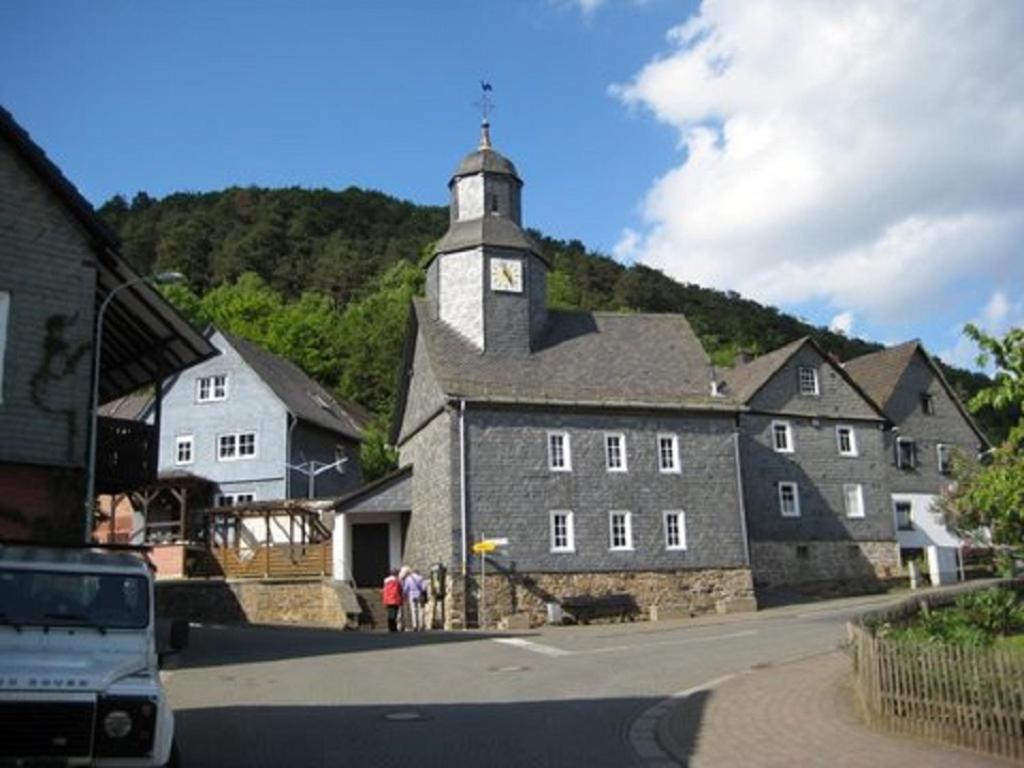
<point>160,278</point>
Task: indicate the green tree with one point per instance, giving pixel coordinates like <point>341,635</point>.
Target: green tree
<point>991,494</point>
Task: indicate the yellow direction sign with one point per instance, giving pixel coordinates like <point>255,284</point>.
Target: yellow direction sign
<point>482,547</point>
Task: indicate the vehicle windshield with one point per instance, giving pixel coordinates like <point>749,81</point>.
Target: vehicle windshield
<point>59,598</point>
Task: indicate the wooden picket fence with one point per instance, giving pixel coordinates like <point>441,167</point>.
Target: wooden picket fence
<point>968,697</point>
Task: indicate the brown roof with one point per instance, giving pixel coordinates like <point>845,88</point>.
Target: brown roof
<point>878,373</point>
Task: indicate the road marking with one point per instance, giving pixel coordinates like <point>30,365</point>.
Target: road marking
<point>681,641</point>
<point>529,645</point>
<point>550,650</point>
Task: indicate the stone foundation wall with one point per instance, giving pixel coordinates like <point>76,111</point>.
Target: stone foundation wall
<point>825,566</point>
<point>692,592</point>
<point>314,603</point>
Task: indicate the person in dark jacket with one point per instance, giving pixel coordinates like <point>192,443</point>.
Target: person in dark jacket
<point>391,595</point>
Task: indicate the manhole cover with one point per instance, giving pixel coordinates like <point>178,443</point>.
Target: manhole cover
<point>403,716</point>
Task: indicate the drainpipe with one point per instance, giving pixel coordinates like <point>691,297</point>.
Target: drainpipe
<point>292,421</point>
<point>739,491</point>
<point>462,505</point>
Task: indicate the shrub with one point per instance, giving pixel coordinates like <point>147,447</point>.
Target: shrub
<point>995,611</point>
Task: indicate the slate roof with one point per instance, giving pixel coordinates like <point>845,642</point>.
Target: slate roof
<point>496,231</point>
<point>879,374</point>
<point>303,397</point>
<point>583,358</point>
<point>485,160</point>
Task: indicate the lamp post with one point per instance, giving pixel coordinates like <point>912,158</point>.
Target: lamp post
<point>160,278</point>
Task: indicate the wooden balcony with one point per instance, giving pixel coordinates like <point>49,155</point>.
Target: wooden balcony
<point>126,455</point>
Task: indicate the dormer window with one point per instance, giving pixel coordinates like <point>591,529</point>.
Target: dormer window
<point>211,389</point>
<point>927,404</point>
<point>808,380</point>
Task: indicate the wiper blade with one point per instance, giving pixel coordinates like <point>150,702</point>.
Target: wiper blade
<point>77,617</point>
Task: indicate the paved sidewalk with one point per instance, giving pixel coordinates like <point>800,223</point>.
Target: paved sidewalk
<point>796,714</point>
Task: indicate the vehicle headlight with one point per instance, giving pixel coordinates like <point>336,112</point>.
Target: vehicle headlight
<point>117,724</point>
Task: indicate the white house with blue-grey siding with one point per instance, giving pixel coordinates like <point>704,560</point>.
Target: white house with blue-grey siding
<point>255,425</point>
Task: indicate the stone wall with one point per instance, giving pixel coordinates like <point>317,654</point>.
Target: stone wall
<point>314,603</point>
<point>693,592</point>
<point>825,567</point>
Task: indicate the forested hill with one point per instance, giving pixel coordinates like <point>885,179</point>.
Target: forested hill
<point>336,269</point>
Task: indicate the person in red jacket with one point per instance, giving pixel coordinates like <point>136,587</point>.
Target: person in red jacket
<point>391,594</point>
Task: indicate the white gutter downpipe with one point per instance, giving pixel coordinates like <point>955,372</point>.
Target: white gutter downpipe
<point>462,507</point>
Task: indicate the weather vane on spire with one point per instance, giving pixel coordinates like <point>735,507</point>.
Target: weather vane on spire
<point>486,106</point>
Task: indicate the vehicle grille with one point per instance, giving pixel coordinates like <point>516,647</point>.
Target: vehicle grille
<point>46,729</point>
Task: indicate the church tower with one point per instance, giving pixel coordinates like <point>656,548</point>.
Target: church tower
<point>487,280</point>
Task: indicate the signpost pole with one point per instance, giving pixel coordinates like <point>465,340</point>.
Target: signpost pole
<point>483,585</point>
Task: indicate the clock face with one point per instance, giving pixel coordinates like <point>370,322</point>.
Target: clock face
<point>507,275</point>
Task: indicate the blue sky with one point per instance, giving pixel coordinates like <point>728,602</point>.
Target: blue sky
<point>788,152</point>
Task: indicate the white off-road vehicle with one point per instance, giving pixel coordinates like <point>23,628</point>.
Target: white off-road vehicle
<point>79,677</point>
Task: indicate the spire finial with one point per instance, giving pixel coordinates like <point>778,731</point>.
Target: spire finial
<point>486,105</point>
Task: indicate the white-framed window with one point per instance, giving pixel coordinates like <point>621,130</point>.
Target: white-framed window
<point>211,389</point>
<point>615,452</point>
<point>853,499</point>
<point>559,452</point>
<point>782,437</point>
<point>789,499</point>
<point>668,453</point>
<point>620,530</point>
<point>846,440</point>
<point>563,537</point>
<point>5,311</point>
<point>928,403</point>
<point>903,511</point>
<point>807,377</point>
<point>906,453</point>
<point>184,449</point>
<point>236,445</point>
<point>945,458</point>
<point>675,529</point>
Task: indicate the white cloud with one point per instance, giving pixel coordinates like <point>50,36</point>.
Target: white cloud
<point>842,323</point>
<point>625,249</point>
<point>995,318</point>
<point>865,155</point>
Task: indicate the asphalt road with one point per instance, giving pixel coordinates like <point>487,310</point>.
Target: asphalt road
<point>558,696</point>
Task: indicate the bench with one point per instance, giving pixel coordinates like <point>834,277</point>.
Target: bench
<point>584,608</point>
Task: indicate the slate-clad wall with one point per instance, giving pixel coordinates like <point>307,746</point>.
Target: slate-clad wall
<point>432,533</point>
<point>424,395</point>
<point>250,406</point>
<point>44,258</point>
<point>816,466</point>
<point>512,491</point>
<point>507,315</point>
<point>460,293</point>
<point>837,399</point>
<point>313,443</point>
<point>947,425</point>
